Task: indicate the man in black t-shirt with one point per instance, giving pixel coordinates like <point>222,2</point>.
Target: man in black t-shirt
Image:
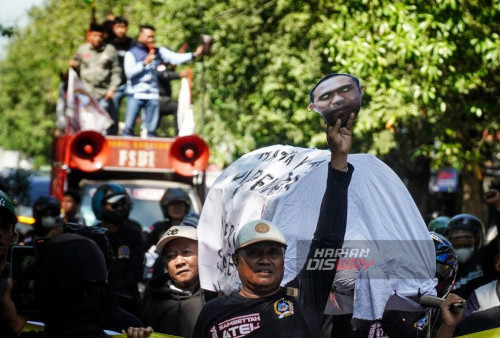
<point>261,308</point>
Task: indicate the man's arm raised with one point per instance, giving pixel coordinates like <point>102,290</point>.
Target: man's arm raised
<point>340,140</point>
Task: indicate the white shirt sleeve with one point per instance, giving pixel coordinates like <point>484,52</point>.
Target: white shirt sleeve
<point>173,57</point>
<point>131,67</point>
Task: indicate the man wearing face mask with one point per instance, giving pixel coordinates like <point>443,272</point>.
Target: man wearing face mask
<point>46,211</point>
<point>466,234</point>
<point>112,204</point>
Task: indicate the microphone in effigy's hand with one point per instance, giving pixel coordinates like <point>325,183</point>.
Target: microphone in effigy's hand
<point>206,42</point>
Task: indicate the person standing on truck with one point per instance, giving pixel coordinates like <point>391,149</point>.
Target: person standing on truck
<point>122,44</point>
<point>112,204</point>
<point>167,104</point>
<point>97,64</point>
<point>140,64</point>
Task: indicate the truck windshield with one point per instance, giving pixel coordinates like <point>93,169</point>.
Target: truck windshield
<point>146,206</point>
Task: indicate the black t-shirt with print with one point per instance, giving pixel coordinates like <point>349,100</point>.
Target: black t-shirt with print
<point>277,315</point>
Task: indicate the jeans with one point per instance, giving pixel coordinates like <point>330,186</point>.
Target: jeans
<point>120,93</point>
<point>133,108</point>
<point>110,107</point>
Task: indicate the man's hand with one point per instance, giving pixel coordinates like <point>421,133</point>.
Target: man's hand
<point>138,332</point>
<point>340,139</point>
<point>73,63</point>
<point>493,197</point>
<point>449,318</point>
<point>150,57</point>
<point>109,94</point>
<point>198,51</point>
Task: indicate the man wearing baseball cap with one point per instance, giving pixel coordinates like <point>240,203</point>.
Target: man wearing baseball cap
<point>262,308</point>
<point>11,324</point>
<point>174,299</point>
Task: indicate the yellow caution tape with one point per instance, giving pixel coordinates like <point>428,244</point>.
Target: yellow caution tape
<point>38,327</point>
<point>483,334</point>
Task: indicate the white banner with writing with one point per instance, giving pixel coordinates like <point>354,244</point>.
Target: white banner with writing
<point>84,109</point>
<point>285,185</point>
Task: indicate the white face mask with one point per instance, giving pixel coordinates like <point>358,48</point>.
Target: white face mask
<point>463,254</point>
<point>48,221</point>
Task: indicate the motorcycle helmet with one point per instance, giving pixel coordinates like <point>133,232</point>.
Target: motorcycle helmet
<point>446,264</point>
<point>111,193</point>
<point>174,195</point>
<point>44,204</point>
<point>467,222</point>
<point>190,219</point>
<point>439,224</point>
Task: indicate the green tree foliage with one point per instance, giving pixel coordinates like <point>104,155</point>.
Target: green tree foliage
<point>7,31</point>
<point>431,75</point>
<point>430,71</point>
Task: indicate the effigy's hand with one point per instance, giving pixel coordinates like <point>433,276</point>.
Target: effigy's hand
<point>340,140</point>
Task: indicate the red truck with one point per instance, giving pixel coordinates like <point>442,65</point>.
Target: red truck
<point>145,167</point>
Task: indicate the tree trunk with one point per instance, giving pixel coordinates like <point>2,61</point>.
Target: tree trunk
<point>472,202</point>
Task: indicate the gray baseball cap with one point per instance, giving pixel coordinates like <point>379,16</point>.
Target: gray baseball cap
<point>259,231</point>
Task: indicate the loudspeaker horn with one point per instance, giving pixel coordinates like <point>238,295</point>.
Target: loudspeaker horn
<point>189,155</point>
<point>88,151</point>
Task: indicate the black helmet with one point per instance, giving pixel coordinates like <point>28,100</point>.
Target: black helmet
<point>446,264</point>
<point>44,204</point>
<point>111,193</point>
<point>469,223</point>
<point>174,195</point>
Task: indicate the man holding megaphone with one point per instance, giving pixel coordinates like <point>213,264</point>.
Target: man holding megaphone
<point>140,65</point>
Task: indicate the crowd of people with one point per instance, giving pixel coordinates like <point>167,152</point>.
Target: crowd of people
<point>87,276</point>
<point>112,66</point>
